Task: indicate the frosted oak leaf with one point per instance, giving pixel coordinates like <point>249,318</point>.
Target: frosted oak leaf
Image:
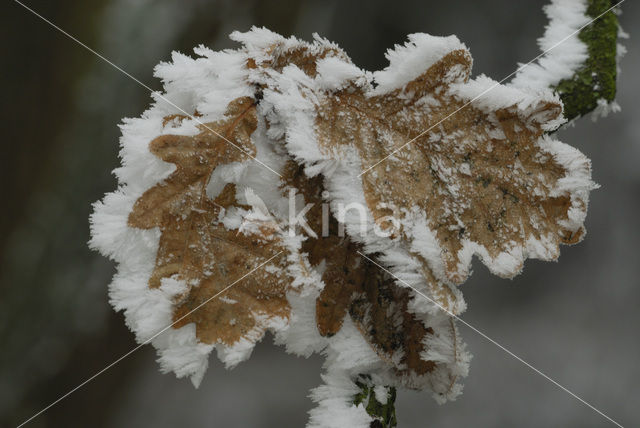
<point>481,176</point>
<point>378,307</point>
<point>197,248</point>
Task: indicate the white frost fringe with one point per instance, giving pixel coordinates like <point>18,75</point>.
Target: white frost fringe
<point>565,53</point>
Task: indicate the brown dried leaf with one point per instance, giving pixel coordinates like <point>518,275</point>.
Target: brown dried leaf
<point>479,177</point>
<point>479,180</point>
<point>197,249</point>
<point>376,304</point>
<point>344,271</point>
<point>380,312</point>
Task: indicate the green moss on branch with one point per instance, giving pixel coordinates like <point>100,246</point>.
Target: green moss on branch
<point>596,79</point>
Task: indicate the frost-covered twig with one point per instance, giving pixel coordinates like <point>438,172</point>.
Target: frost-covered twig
<point>582,69</point>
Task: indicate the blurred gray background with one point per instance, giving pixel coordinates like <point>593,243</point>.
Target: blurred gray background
<point>576,320</point>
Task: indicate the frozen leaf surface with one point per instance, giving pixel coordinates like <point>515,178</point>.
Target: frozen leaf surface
<point>464,166</point>
<point>196,247</point>
<point>371,299</point>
